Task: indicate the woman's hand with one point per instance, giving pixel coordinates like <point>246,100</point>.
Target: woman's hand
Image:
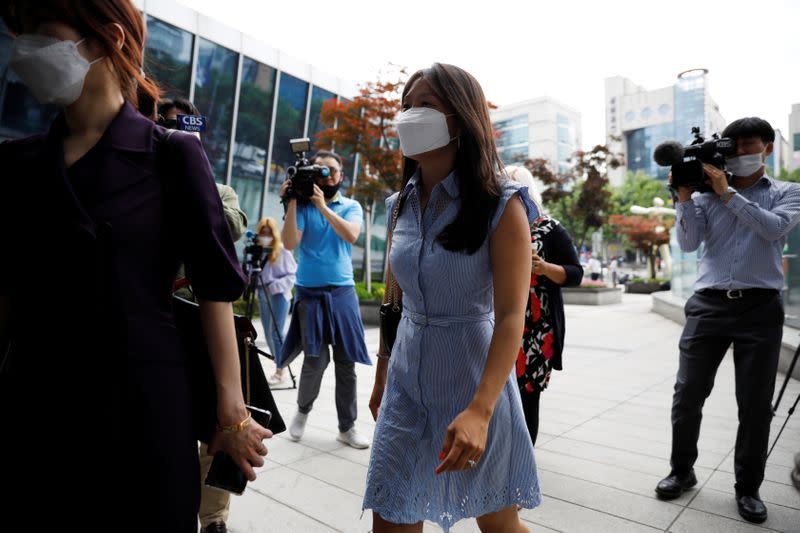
<point>245,447</point>
<point>540,266</point>
<point>377,389</point>
<point>465,441</point>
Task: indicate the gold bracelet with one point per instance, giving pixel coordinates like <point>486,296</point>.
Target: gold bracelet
<point>235,428</point>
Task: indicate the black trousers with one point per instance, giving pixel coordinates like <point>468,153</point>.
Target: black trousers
<point>530,406</point>
<point>754,325</point>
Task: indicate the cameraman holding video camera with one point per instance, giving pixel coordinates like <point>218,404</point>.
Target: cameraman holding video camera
<point>324,227</point>
<point>744,220</point>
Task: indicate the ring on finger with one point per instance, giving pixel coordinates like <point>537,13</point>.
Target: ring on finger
<point>471,463</point>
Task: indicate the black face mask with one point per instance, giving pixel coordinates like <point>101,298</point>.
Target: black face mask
<point>329,191</point>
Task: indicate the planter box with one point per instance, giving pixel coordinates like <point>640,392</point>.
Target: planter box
<point>647,287</point>
<point>591,295</point>
<point>369,312</point>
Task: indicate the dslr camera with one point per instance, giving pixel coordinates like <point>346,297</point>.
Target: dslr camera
<point>687,161</point>
<point>303,174</point>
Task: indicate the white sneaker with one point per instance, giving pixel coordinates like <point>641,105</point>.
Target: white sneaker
<point>276,379</point>
<point>298,426</point>
<point>354,438</point>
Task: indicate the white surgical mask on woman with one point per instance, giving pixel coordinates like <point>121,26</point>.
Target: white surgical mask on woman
<point>52,69</point>
<point>422,129</point>
<point>263,240</point>
<point>744,165</point>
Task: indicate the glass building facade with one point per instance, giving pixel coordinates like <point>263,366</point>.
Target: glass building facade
<point>512,139</point>
<point>641,144</point>
<point>253,109</point>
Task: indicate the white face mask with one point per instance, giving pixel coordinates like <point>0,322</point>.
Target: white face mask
<point>744,165</point>
<point>422,129</point>
<point>52,69</point>
<point>265,241</point>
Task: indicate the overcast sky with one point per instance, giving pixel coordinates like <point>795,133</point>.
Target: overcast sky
<point>521,49</point>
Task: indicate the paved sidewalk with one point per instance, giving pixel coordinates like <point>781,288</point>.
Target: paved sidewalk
<point>603,445</point>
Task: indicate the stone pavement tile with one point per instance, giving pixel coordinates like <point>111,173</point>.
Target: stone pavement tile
<point>285,451</point>
<point>770,492</point>
<point>556,396</point>
<point>328,504</point>
<point>661,435</point>
<point>351,454</point>
<point>334,470</point>
<point>782,457</point>
<point>553,427</point>
<point>268,465</point>
<point>252,512</point>
<point>565,516</point>
<point>610,476</point>
<point>642,509</point>
<point>774,473</point>
<point>471,526</point>
<point>634,461</point>
<point>692,521</point>
<point>722,503</point>
<point>544,438</point>
<point>707,459</point>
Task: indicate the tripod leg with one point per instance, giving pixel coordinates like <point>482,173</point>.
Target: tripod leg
<point>786,379</point>
<point>791,412</point>
<point>276,328</point>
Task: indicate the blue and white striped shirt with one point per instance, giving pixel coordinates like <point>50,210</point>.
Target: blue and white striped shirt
<point>744,238</point>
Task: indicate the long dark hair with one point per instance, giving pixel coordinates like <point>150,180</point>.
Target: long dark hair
<point>477,163</point>
<point>91,18</point>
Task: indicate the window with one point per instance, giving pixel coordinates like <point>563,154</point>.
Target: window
<point>289,122</point>
<point>514,121</point>
<point>514,155</point>
<point>646,113</point>
<point>664,109</point>
<point>168,57</point>
<point>796,142</point>
<point>629,116</point>
<point>512,137</point>
<point>315,125</point>
<point>20,114</point>
<point>256,95</point>
<point>214,88</point>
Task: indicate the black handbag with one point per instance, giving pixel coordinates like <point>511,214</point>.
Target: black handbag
<point>204,389</point>
<point>391,310</point>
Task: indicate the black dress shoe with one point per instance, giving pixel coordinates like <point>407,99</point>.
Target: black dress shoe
<point>216,527</point>
<point>751,508</point>
<point>674,484</point>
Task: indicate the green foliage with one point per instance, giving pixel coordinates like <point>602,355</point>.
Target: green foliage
<point>793,176</point>
<point>637,189</point>
<point>378,290</point>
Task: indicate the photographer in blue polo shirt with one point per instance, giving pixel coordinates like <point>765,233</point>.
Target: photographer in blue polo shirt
<point>326,306</point>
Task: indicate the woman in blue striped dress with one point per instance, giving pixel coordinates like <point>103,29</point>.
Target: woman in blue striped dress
<point>451,440</point>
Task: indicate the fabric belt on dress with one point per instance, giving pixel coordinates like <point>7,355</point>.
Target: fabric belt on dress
<point>444,321</point>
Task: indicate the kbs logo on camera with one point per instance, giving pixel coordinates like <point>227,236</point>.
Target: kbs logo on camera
<point>192,123</point>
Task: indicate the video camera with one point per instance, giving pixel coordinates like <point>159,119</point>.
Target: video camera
<point>687,161</point>
<point>255,255</point>
<point>303,174</point>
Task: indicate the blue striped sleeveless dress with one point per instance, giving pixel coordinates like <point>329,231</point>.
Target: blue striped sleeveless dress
<point>437,362</point>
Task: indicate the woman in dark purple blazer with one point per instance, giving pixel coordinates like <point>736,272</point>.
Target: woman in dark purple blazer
<point>94,389</point>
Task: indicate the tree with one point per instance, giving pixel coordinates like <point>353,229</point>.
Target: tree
<point>364,127</point>
<point>637,189</point>
<point>645,233</point>
<point>579,198</point>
